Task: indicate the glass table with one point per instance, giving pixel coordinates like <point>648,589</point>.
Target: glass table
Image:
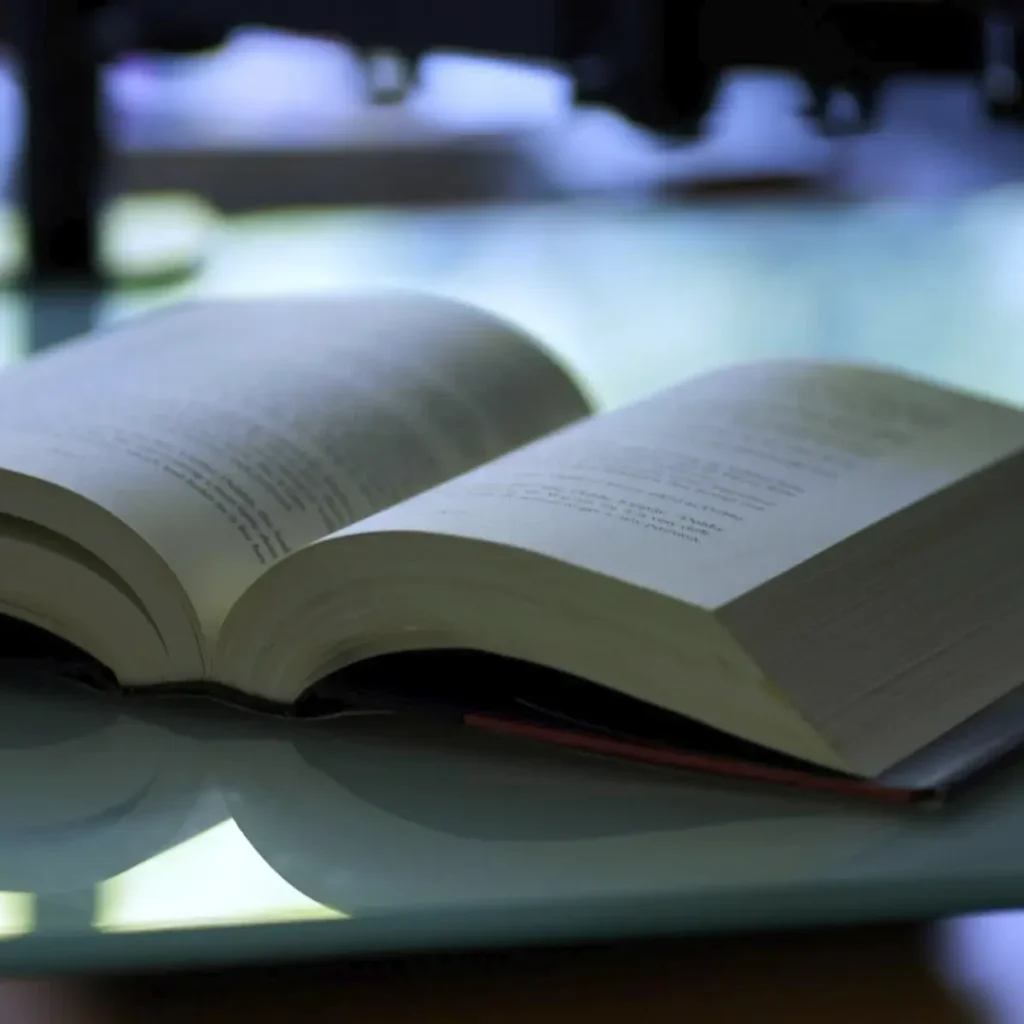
<point>143,831</point>
<point>152,832</point>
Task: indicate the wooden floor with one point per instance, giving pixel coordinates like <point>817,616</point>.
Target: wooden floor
<point>890,976</point>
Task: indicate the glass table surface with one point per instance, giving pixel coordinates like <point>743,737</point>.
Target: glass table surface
<point>160,832</point>
<point>141,831</point>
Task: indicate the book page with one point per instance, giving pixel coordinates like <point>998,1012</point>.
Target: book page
<point>228,435</point>
<point>711,488</point>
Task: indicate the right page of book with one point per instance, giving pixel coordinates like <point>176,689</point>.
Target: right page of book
<point>713,487</point>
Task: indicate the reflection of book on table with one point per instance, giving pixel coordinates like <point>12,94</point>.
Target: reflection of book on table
<point>86,791</point>
<point>371,814</point>
<point>789,570</point>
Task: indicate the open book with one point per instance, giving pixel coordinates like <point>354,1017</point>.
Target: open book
<point>789,570</point>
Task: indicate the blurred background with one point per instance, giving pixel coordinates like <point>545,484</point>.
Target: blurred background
<point>651,187</point>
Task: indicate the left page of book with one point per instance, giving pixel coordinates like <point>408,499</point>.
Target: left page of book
<point>226,435</point>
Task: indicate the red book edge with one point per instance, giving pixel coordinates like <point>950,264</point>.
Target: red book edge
<point>704,763</point>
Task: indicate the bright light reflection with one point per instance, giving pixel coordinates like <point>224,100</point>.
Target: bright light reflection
<point>17,914</point>
<point>214,879</point>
